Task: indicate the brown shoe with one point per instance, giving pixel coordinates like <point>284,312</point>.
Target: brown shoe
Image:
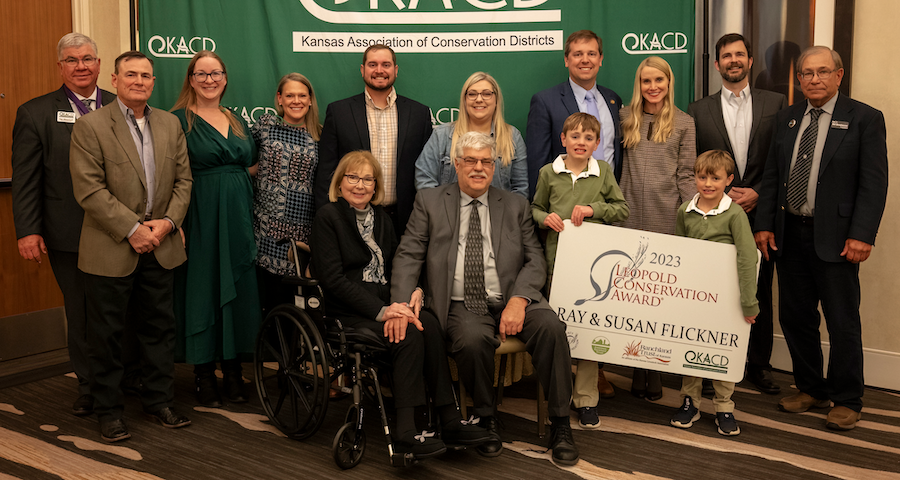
<point>842,418</point>
<point>606,389</point>
<point>801,402</point>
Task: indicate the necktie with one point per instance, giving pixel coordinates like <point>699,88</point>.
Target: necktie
<point>87,103</point>
<point>591,106</point>
<point>473,271</point>
<point>799,178</point>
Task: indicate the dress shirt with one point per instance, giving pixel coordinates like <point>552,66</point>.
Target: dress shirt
<point>383,141</point>
<point>95,102</point>
<point>738,113</point>
<point>809,208</point>
<point>142,134</point>
<point>491,278</point>
<point>607,127</point>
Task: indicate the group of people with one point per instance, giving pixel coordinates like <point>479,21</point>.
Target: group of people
<point>163,229</point>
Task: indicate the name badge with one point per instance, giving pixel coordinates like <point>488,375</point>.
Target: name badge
<point>840,124</point>
<point>65,117</point>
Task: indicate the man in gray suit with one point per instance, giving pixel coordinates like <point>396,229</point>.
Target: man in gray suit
<point>740,120</point>
<point>484,270</point>
<point>47,217</point>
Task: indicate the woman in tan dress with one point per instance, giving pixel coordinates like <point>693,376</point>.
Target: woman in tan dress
<point>658,167</point>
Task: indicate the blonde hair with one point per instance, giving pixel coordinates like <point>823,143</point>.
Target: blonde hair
<point>356,159</point>
<point>187,99</point>
<point>665,118</point>
<point>311,120</point>
<point>712,161</point>
<point>502,131</point>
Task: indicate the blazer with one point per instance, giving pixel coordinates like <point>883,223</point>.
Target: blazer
<point>431,242</point>
<point>712,134</point>
<point>549,110</point>
<point>346,129</point>
<point>111,187</point>
<point>853,177</point>
<point>43,201</point>
<point>339,254</point>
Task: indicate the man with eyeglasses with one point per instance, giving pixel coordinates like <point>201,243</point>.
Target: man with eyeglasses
<point>822,198</point>
<point>484,270</point>
<point>394,128</point>
<point>47,217</point>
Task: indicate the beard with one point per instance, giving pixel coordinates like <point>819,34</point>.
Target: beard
<point>377,88</point>
<point>734,78</point>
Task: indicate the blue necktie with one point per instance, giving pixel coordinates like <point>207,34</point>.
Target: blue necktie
<point>591,105</point>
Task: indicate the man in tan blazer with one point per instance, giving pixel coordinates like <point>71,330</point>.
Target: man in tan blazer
<point>131,176</point>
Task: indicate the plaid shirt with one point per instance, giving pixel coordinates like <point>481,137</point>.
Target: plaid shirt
<point>383,139</point>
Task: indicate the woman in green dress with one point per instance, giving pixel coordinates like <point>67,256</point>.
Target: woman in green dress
<point>217,305</point>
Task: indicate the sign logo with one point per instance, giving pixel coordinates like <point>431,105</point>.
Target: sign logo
<point>251,114</point>
<point>572,338</point>
<point>654,43</point>
<point>648,354</point>
<point>710,362</point>
<point>179,47</point>
<point>407,13</point>
<point>600,345</point>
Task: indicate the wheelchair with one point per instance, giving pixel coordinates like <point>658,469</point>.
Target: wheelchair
<point>300,353</point>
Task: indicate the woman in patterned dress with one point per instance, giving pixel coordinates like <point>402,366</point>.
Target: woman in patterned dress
<point>658,167</point>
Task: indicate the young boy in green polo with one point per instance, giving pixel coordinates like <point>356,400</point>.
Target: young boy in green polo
<point>578,187</point>
<point>711,215</point>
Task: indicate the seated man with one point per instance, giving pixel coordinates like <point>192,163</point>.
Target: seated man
<point>484,272</point>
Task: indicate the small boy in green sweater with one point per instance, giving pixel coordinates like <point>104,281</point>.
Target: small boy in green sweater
<point>578,187</point>
<point>711,215</point>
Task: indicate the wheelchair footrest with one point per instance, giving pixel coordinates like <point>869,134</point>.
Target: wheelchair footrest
<point>403,459</point>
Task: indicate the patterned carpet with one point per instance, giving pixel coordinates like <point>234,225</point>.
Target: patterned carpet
<point>40,439</point>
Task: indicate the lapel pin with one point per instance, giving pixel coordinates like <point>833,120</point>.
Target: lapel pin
<point>792,123</point>
<point>612,102</point>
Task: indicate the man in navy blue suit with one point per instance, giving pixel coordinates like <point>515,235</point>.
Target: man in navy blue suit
<point>822,198</point>
<point>551,107</point>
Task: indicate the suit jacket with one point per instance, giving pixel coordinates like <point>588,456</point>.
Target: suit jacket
<point>109,183</point>
<point>346,129</point>
<point>549,110</point>
<point>43,201</point>
<point>853,177</point>
<point>712,135</point>
<point>431,241</point>
<point>339,255</point>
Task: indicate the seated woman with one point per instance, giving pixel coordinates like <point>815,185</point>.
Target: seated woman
<point>352,245</point>
<point>480,110</point>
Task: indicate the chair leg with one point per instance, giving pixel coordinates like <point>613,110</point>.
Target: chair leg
<point>541,411</point>
<point>501,379</point>
<point>462,399</point>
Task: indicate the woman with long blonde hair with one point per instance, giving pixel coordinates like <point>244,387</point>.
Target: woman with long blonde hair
<point>480,110</point>
<point>658,167</point>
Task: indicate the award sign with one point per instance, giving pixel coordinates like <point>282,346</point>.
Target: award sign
<point>648,300</point>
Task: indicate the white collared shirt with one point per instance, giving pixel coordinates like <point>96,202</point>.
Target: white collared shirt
<point>809,208</point>
<point>491,278</point>
<point>593,168</point>
<point>95,101</point>
<point>723,206</point>
<point>738,113</point>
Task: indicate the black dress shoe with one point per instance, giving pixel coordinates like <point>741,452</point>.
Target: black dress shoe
<point>168,418</point>
<point>233,388</point>
<point>763,381</point>
<point>464,433</point>
<point>84,405</point>
<point>114,430</point>
<point>563,445</point>
<point>493,446</point>
<point>207,391</point>
<point>422,445</point>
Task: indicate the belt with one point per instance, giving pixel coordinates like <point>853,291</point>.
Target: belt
<point>800,219</point>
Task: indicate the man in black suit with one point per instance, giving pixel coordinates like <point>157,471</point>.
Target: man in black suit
<point>740,121</point>
<point>47,217</point>
<point>392,127</point>
<point>823,194</point>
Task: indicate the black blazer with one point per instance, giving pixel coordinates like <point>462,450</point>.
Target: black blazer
<point>853,177</point>
<point>346,129</point>
<point>339,255</point>
<point>43,200</point>
<point>712,135</point>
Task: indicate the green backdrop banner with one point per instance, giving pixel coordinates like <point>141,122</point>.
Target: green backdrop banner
<point>439,43</point>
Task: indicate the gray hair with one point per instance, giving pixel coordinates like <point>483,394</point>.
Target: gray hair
<point>477,141</point>
<point>74,40</point>
<point>838,64</point>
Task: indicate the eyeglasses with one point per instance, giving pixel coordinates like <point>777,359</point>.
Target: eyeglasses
<point>217,76</point>
<point>354,179</point>
<point>470,161</point>
<point>486,95</point>
<point>823,75</point>
<point>88,61</point>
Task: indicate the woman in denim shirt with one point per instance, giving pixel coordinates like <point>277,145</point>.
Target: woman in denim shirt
<point>481,110</point>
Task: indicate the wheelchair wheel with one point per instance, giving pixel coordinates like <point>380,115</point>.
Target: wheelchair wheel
<point>349,446</point>
<point>292,376</point>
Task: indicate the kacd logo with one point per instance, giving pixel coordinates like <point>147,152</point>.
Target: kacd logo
<point>179,47</point>
<point>655,43</point>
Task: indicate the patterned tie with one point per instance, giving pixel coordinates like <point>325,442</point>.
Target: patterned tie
<point>87,103</point>
<point>799,179</point>
<point>473,271</point>
<point>591,106</point>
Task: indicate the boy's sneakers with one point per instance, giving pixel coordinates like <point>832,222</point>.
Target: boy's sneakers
<point>588,417</point>
<point>727,424</point>
<point>686,415</point>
